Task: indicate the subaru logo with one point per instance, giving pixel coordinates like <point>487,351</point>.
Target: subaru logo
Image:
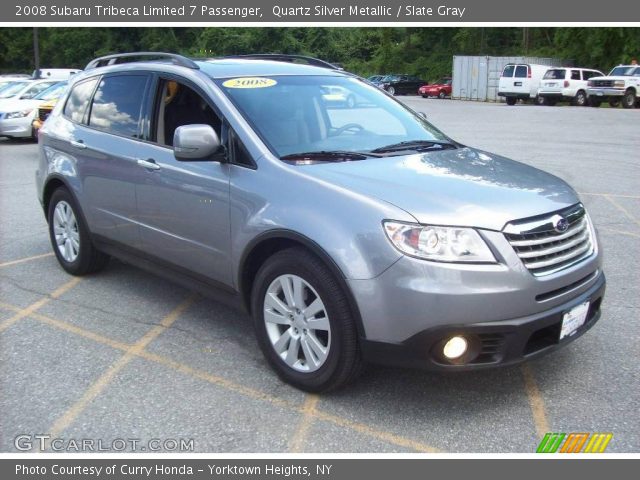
<point>560,224</point>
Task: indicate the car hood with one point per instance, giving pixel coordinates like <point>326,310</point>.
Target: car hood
<point>616,77</point>
<point>463,187</point>
<point>13,105</point>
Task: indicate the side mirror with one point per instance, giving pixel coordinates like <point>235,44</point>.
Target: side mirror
<point>423,115</point>
<point>196,142</point>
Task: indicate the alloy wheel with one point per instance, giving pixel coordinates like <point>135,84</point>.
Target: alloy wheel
<point>297,323</point>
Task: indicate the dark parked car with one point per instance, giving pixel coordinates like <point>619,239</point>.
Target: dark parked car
<point>402,84</point>
<point>440,89</point>
<point>375,78</point>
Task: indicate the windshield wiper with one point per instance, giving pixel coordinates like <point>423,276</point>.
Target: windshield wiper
<point>329,155</point>
<point>417,145</point>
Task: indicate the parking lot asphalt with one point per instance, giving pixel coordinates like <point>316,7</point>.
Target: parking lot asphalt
<point>125,355</point>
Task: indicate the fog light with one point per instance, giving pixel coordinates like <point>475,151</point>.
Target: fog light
<point>455,348</point>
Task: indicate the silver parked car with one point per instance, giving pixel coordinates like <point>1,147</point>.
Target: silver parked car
<point>352,234</point>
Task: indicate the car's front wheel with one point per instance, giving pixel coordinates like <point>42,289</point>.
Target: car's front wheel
<point>442,94</point>
<point>580,100</point>
<point>304,322</point>
<point>511,100</point>
<point>391,90</point>
<point>629,99</point>
<point>70,237</point>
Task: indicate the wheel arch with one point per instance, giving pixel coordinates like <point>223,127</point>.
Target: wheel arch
<point>268,243</point>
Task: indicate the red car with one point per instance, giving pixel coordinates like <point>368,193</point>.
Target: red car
<point>439,89</point>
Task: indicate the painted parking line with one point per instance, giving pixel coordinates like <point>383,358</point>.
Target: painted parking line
<point>25,312</point>
<point>300,435</point>
<point>233,386</point>
<point>27,259</point>
<point>622,209</point>
<point>107,377</point>
<point>536,402</point>
<point>609,195</point>
<point>619,232</point>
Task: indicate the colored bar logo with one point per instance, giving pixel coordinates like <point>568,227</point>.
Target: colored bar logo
<point>574,443</point>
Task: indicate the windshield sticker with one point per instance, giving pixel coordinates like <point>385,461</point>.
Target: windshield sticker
<point>249,82</point>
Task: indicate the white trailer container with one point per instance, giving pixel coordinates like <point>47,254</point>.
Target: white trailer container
<point>478,77</point>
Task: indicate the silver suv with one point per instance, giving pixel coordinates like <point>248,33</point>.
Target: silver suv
<point>352,231</point>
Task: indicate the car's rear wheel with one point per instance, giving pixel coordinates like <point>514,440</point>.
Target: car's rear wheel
<point>70,237</point>
<point>511,100</point>
<point>304,323</point>
<point>425,96</point>
<point>541,100</point>
<point>629,99</point>
<point>614,102</point>
<point>580,100</point>
<point>442,94</point>
<point>391,90</point>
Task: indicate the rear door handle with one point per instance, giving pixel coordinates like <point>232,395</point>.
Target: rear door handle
<point>78,144</point>
<point>148,163</point>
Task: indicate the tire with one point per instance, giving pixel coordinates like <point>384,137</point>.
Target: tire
<point>594,102</point>
<point>391,90</point>
<point>614,102</point>
<point>425,96</point>
<point>442,95</point>
<point>78,257</point>
<point>629,99</point>
<point>580,100</point>
<point>295,364</point>
<point>540,100</point>
<point>511,100</point>
<point>551,103</point>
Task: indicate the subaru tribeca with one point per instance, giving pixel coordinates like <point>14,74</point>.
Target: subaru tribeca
<point>352,232</point>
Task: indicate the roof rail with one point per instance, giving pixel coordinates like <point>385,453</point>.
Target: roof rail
<point>115,58</point>
<point>281,57</point>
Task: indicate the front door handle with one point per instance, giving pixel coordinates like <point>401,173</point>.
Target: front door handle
<point>148,163</point>
<point>78,144</point>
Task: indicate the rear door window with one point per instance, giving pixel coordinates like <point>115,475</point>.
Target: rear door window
<point>117,105</point>
<point>508,71</point>
<point>575,75</point>
<point>78,100</point>
<point>521,71</point>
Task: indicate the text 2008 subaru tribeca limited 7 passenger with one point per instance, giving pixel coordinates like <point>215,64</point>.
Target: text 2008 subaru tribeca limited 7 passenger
<point>349,227</point>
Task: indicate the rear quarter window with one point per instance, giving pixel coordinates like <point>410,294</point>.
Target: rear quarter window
<point>78,100</point>
<point>555,74</point>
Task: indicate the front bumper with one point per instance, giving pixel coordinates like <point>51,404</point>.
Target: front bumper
<point>605,92</point>
<point>493,343</point>
<point>16,127</point>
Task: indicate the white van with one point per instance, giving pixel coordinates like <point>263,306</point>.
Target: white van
<point>565,84</point>
<point>56,73</point>
<point>520,81</point>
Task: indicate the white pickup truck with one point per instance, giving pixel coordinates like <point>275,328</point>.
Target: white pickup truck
<point>622,85</point>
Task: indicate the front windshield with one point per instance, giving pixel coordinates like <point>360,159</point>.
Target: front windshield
<point>34,90</point>
<point>52,92</point>
<point>295,114</point>
<point>12,89</point>
<point>623,71</point>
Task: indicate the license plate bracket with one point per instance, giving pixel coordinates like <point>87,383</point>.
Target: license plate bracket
<point>573,319</point>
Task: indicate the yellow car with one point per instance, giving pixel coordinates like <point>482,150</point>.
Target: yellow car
<point>43,112</point>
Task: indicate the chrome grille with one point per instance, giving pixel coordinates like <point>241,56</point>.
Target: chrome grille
<point>543,249</point>
<point>43,113</point>
<point>602,83</point>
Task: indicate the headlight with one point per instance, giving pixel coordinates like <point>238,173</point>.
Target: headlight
<point>21,114</point>
<point>618,84</point>
<point>442,244</point>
